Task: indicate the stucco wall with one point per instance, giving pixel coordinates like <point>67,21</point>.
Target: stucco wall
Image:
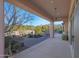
<point>76,32</point>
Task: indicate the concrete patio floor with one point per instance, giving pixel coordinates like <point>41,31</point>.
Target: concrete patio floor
<point>50,48</point>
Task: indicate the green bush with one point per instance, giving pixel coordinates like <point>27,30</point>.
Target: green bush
<point>59,31</point>
<point>30,36</point>
<point>64,37</point>
<point>12,46</point>
<point>16,47</point>
<point>7,41</point>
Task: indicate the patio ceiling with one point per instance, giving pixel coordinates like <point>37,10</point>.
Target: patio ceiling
<point>48,9</point>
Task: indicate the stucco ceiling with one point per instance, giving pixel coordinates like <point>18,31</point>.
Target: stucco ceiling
<point>47,8</point>
<point>54,7</point>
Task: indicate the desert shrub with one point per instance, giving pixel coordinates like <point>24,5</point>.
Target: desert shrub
<point>64,36</point>
<point>30,35</point>
<point>12,46</point>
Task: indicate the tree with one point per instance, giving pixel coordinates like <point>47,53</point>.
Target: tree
<point>15,16</point>
<point>38,30</point>
<point>45,28</point>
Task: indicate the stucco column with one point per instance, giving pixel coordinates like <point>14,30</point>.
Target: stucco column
<point>1,28</point>
<point>51,30</point>
<point>66,26</point>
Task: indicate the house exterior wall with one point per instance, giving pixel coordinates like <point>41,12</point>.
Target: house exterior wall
<point>70,19</point>
<point>1,29</point>
<point>73,29</point>
<point>76,31</point>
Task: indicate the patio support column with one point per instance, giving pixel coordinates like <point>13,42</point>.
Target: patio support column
<point>51,29</point>
<point>1,28</point>
<point>66,26</point>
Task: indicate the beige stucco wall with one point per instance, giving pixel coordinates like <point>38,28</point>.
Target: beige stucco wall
<point>1,29</point>
<point>66,25</point>
<point>76,31</point>
<point>73,30</point>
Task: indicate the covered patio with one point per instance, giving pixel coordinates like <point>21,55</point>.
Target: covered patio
<point>51,10</point>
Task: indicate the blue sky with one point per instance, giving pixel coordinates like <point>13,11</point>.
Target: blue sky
<point>36,19</point>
